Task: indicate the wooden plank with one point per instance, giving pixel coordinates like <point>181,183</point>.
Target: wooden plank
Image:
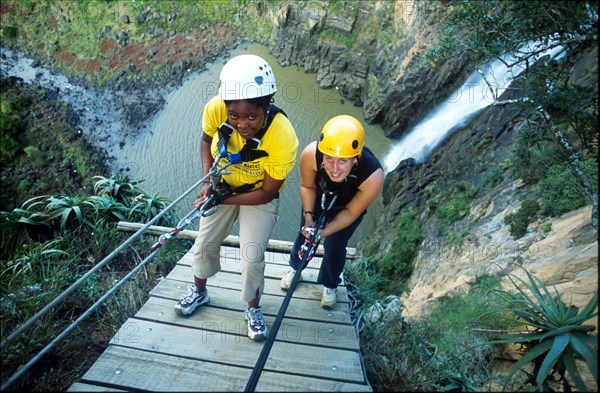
<point>276,382</point>
<point>135,369</point>
<point>309,309</point>
<point>272,270</point>
<point>140,370</point>
<point>158,350</point>
<point>278,258</point>
<point>84,387</point>
<point>273,245</point>
<point>313,332</point>
<point>234,281</point>
<point>232,349</point>
<point>274,257</point>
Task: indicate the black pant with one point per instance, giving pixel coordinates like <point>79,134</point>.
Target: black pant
<point>334,257</point>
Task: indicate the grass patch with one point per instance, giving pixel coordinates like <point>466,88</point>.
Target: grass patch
<point>446,350</point>
<point>398,262</point>
<point>331,35</point>
<point>453,204</point>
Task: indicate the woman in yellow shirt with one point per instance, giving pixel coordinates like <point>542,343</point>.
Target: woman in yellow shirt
<point>242,114</point>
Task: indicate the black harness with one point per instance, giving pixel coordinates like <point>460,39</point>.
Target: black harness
<point>249,151</point>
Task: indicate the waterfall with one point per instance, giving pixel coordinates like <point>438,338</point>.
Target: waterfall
<point>457,110</point>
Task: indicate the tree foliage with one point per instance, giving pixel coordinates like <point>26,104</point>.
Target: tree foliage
<point>490,29</point>
<point>562,110</point>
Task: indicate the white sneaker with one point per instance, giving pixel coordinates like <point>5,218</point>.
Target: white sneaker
<point>286,280</point>
<point>189,302</point>
<point>329,298</point>
<point>257,330</point>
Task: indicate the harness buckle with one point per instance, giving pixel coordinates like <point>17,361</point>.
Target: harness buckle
<point>255,140</point>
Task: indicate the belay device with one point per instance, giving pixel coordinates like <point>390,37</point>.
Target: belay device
<point>311,242</point>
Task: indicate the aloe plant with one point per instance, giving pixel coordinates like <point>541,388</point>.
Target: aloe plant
<point>147,206</point>
<point>71,210</point>
<point>117,186</point>
<point>107,208</point>
<point>17,227</point>
<point>555,336</point>
<point>25,264</point>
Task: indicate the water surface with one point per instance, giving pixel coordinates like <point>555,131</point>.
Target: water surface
<point>168,158</point>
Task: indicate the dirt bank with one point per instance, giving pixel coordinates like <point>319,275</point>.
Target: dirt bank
<point>144,75</point>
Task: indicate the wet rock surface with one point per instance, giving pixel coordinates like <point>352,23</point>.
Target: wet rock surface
<point>108,117</point>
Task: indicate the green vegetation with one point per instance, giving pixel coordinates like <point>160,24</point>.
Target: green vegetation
<point>48,244</point>
<point>78,37</point>
<point>562,116</point>
<point>64,227</point>
<point>493,178</point>
<point>452,348</point>
<point>484,142</point>
<point>560,191</point>
<point>449,206</point>
<point>546,227</point>
<point>555,336</point>
<point>11,126</point>
<point>397,263</point>
<point>447,351</point>
<point>348,40</point>
<point>453,204</point>
<point>556,155</point>
<point>41,152</point>
<point>541,163</point>
<point>520,220</point>
<point>386,272</point>
<point>60,231</point>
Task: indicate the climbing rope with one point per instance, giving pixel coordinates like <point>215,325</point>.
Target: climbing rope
<point>207,208</point>
<point>311,243</point>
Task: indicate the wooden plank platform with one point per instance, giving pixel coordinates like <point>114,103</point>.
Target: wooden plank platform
<point>158,350</point>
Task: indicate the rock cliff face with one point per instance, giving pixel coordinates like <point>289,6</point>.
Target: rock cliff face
<point>386,73</point>
<point>567,256</point>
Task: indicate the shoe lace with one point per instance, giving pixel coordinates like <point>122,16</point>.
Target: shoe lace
<point>190,296</point>
<point>290,275</point>
<point>256,318</point>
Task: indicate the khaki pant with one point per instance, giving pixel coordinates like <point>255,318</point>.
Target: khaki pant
<point>256,225</point>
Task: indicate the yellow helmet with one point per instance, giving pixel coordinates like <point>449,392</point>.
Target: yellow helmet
<point>343,137</point>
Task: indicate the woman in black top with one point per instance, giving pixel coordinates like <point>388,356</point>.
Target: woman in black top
<point>338,164</point>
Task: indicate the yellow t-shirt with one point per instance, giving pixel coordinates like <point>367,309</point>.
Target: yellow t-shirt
<point>280,141</point>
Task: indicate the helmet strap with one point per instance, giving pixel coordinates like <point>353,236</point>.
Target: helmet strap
<point>266,119</point>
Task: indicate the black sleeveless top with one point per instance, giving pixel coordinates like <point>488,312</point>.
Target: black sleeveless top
<point>367,164</point>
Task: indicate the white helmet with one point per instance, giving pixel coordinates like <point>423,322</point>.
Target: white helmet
<point>246,76</point>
